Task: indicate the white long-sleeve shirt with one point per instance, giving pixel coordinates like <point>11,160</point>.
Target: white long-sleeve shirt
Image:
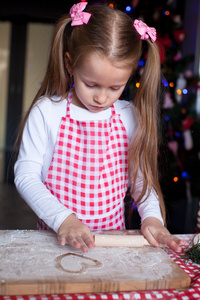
<point>36,151</point>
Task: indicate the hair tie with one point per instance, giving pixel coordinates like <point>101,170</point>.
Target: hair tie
<point>145,31</point>
<point>78,16</point>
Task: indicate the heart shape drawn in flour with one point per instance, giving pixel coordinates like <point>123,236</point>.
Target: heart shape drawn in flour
<point>75,263</point>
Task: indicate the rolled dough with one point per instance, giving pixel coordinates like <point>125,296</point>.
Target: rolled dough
<point>107,240</point>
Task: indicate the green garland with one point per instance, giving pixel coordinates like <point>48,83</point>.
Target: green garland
<point>193,252</point>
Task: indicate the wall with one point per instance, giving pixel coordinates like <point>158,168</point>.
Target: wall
<point>38,45</point>
<point>191,44</point>
<point>37,49</point>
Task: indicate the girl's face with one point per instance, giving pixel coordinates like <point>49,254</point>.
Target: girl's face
<point>98,83</point>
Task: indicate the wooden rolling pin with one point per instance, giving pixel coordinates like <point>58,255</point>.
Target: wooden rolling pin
<point>107,240</point>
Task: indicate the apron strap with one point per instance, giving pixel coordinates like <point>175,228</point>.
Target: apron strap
<point>113,113</point>
<point>69,99</point>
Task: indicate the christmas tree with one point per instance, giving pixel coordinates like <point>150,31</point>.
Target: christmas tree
<point>179,157</point>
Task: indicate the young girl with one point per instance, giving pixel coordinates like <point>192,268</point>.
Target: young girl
<point>81,147</point>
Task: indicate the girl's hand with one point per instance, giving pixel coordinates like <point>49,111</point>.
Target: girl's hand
<point>74,232</point>
<point>158,236</point>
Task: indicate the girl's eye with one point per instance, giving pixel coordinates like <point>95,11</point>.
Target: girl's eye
<point>90,85</point>
<point>115,88</point>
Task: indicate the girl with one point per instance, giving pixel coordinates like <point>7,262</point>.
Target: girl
<point>81,147</point>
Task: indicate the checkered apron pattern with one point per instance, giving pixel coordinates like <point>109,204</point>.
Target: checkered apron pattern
<point>89,170</point>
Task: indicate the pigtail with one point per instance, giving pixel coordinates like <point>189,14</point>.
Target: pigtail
<point>145,141</point>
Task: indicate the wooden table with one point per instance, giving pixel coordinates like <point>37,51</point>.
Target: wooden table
<point>193,292</point>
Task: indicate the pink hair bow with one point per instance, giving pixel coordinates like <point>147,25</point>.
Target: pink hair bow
<point>145,31</point>
<point>78,16</point>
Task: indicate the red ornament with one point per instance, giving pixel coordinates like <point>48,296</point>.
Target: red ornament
<point>187,123</point>
<point>179,35</point>
<point>163,43</point>
<point>134,3</point>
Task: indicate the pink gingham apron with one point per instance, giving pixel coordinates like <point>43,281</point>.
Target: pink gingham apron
<point>89,170</point>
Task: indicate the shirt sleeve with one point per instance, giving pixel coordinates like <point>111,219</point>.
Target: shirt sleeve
<point>28,172</point>
<point>150,207</point>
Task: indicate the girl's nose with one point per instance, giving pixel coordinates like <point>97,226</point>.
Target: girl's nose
<point>100,97</point>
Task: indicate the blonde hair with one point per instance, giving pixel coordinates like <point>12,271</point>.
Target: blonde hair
<point>143,149</point>
<point>111,33</point>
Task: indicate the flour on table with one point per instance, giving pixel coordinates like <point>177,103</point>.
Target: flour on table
<point>37,255</point>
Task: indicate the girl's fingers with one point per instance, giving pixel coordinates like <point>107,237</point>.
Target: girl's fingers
<point>150,238</point>
<point>89,240</point>
<point>171,241</point>
<point>76,242</point>
<point>175,246</point>
<point>163,238</point>
<point>73,241</point>
<point>79,243</point>
<point>83,243</point>
<point>61,240</point>
<point>72,231</point>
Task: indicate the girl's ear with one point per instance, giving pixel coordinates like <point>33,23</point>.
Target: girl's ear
<point>68,63</point>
